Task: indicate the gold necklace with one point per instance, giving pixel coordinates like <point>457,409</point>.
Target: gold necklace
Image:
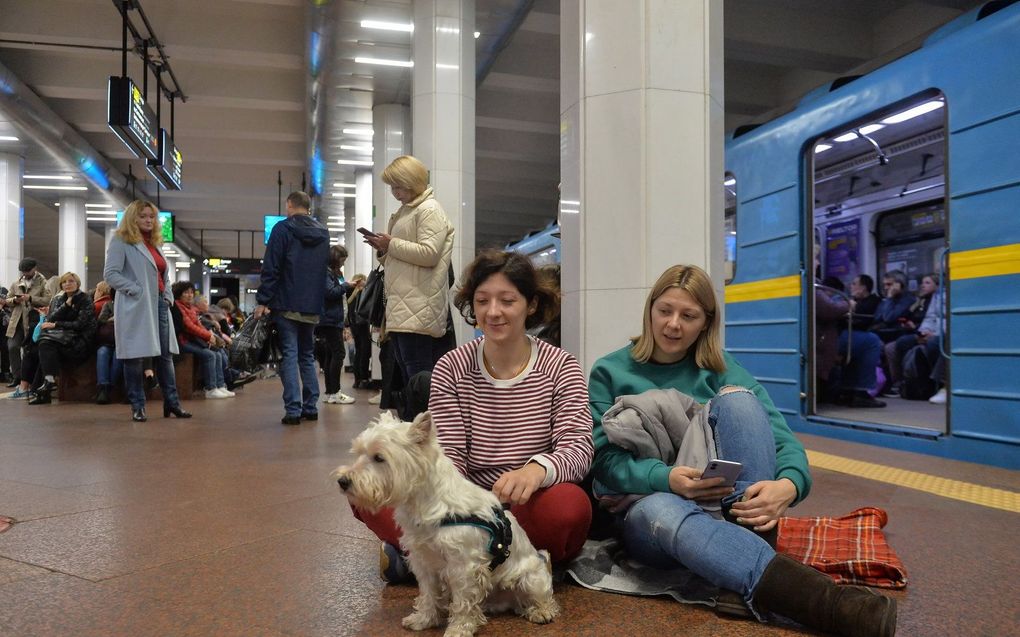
<point>495,374</point>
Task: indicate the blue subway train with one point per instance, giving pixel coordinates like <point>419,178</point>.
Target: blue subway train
<point>912,168</point>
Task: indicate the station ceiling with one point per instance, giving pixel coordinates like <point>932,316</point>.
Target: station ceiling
<point>242,65</point>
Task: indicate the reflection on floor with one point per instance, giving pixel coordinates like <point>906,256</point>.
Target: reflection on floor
<point>920,414</point>
<point>226,524</point>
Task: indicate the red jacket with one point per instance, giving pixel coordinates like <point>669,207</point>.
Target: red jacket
<point>192,326</point>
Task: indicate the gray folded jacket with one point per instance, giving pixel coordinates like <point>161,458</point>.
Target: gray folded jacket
<point>664,424</point>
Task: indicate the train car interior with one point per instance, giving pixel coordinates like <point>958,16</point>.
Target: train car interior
<point>877,205</point>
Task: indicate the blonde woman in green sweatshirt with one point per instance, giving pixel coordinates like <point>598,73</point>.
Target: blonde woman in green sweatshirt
<point>680,348</point>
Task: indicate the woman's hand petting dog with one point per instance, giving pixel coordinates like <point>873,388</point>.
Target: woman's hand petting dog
<point>517,486</point>
<point>687,482</point>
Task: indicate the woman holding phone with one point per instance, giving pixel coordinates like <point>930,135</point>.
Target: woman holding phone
<point>680,348</point>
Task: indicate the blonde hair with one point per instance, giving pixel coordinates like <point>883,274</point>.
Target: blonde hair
<point>103,288</point>
<point>128,229</point>
<point>69,275</point>
<point>407,172</point>
<point>696,282</point>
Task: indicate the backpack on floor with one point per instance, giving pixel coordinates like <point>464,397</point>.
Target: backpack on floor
<point>917,384</point>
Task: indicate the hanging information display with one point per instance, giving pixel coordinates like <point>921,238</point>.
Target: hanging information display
<point>167,169</point>
<point>131,119</point>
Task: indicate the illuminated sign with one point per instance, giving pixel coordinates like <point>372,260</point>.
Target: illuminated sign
<point>270,221</point>
<point>240,267</point>
<point>131,119</point>
<point>166,224</point>
<point>167,170</point>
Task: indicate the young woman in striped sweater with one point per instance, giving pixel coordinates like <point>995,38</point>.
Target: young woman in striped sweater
<point>511,411</point>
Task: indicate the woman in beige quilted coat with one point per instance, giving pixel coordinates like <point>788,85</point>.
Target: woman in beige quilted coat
<point>416,250</point>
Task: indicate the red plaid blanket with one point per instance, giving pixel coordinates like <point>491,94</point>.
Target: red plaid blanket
<point>851,549</point>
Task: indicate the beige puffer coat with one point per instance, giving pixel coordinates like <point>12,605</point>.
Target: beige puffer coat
<point>417,264</point>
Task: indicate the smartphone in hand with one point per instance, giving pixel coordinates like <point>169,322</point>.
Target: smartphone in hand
<point>722,468</point>
<point>366,232</point>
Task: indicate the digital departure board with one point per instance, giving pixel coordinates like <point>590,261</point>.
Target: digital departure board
<point>166,224</point>
<point>167,169</point>
<point>131,119</point>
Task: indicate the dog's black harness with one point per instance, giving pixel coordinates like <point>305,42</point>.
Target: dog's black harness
<point>502,535</point>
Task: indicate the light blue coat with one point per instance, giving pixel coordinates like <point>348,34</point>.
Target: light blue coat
<point>131,270</point>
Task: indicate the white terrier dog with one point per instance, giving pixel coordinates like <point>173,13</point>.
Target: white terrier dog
<point>462,547</point>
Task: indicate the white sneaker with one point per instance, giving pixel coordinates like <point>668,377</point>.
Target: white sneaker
<point>341,398</point>
<point>329,398</point>
<point>213,394</point>
<point>939,398</point>
<point>374,400</point>
<point>226,393</point>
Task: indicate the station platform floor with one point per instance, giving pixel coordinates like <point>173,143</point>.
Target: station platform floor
<point>227,524</point>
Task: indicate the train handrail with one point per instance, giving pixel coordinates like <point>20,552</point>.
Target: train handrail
<point>940,310</point>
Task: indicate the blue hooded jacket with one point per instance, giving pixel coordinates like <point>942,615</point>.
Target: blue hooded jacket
<point>294,268</point>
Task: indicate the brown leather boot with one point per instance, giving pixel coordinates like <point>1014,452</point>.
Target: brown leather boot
<point>808,596</point>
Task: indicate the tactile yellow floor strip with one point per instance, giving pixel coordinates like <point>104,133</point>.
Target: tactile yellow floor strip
<point>955,489</point>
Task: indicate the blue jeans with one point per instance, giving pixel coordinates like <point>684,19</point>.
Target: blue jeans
<point>297,349</point>
<point>164,366</point>
<point>212,368</point>
<point>666,530</point>
<point>109,369</point>
<point>865,354</point>
<point>416,352</point>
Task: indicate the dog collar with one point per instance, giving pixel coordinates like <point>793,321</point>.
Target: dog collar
<point>500,532</point>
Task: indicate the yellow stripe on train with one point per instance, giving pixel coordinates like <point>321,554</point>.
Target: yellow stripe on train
<point>779,288</point>
<point>996,261</point>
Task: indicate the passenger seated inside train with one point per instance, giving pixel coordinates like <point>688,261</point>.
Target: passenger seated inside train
<point>893,311</point>
<point>925,325</point>
<point>864,301</point>
<point>847,384</point>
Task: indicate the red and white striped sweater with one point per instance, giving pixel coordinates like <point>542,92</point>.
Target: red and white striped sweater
<point>489,426</point>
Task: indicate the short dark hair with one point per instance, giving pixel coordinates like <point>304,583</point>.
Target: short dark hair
<point>300,199</point>
<point>337,254</point>
<point>181,287</point>
<point>27,264</point>
<point>867,282</point>
<point>516,267</point>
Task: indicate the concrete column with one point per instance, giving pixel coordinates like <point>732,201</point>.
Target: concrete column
<point>443,112</point>
<point>12,216</point>
<point>391,126</point>
<point>109,231</point>
<point>362,257</point>
<point>73,237</point>
<point>641,164</point>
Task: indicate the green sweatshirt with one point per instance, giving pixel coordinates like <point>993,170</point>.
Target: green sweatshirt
<point>618,374</point>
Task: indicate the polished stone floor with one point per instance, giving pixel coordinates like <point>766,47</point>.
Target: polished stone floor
<point>227,524</point>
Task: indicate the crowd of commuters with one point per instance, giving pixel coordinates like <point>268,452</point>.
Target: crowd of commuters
<point>512,410</point>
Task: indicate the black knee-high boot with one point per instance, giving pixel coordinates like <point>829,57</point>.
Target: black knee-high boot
<point>808,596</point>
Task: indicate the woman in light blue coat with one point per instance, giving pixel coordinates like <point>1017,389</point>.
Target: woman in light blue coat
<point>137,269</point>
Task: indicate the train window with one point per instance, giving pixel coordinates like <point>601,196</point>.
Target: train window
<point>911,241</point>
<point>730,227</point>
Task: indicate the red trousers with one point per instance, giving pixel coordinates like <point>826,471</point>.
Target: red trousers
<point>556,519</point>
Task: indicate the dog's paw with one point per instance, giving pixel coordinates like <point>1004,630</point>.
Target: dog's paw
<point>421,621</point>
<point>542,611</point>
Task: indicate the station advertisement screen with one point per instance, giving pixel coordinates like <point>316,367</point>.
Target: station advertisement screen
<point>272,220</point>
<point>167,170</point>
<point>166,224</point>
<point>131,119</point>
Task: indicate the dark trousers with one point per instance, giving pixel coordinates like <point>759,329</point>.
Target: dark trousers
<point>53,355</point>
<point>14,353</point>
<point>329,350</point>
<point>417,352</point>
<point>362,352</point>
<point>164,367</point>
<point>5,356</point>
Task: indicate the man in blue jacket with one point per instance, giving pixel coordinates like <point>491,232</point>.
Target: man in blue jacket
<point>293,286</point>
